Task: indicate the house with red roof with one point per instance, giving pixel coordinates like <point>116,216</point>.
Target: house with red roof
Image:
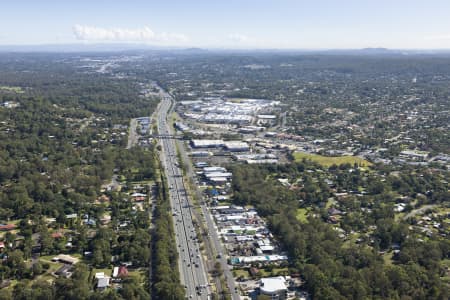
<point>123,272</point>
<point>57,235</point>
<point>7,227</point>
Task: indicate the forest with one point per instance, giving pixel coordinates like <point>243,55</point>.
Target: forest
<point>62,141</point>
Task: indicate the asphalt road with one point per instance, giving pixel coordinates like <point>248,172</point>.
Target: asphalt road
<point>419,211</point>
<point>192,271</point>
<point>213,234</point>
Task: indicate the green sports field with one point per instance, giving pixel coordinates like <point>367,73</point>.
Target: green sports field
<point>327,161</point>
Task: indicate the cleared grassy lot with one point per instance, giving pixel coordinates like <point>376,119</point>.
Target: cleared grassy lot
<point>302,214</point>
<point>14,89</point>
<point>328,161</point>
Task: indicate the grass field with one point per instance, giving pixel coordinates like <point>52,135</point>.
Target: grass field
<point>330,203</point>
<point>14,89</point>
<point>174,117</point>
<point>139,275</point>
<point>47,275</point>
<point>328,161</point>
<point>387,257</point>
<point>445,263</point>
<point>275,271</point>
<point>108,272</point>
<point>351,241</point>
<point>241,273</point>
<point>236,100</point>
<point>48,259</point>
<point>302,214</point>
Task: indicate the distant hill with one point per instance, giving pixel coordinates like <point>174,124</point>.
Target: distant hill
<point>118,47</point>
<point>376,50</point>
<point>364,51</point>
<point>195,50</point>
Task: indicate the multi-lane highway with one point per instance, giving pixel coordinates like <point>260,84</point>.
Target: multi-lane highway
<point>213,236</point>
<point>192,268</point>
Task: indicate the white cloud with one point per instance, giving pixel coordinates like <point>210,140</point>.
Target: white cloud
<point>144,34</point>
<point>439,37</point>
<point>238,38</point>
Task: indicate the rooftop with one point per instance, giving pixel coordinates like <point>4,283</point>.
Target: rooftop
<point>103,282</point>
<point>273,285</point>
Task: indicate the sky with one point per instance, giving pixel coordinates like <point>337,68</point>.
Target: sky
<point>234,24</point>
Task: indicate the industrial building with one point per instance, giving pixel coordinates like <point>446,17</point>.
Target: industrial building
<point>274,287</point>
<point>181,126</point>
<point>207,143</point>
<point>200,153</point>
<point>234,111</point>
<point>214,169</point>
<point>236,146</point>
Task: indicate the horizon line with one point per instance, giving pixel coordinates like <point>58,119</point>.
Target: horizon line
<point>142,46</point>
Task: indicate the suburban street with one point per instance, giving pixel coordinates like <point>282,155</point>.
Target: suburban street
<point>192,268</point>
